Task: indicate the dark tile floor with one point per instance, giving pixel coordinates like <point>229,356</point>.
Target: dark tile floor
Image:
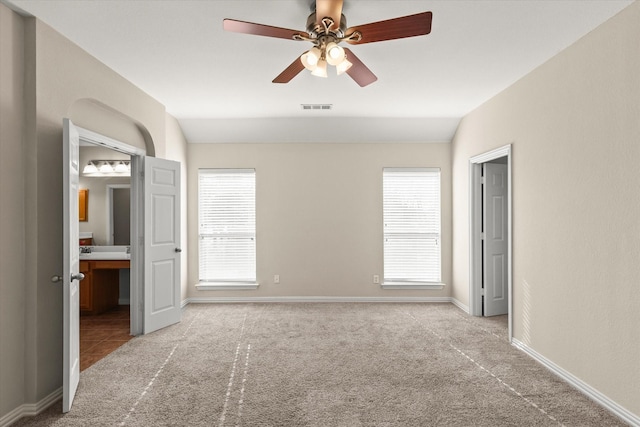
<point>101,334</point>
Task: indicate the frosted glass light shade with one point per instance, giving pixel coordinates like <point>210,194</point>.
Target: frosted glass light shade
<point>90,168</point>
<point>311,58</point>
<point>106,167</point>
<point>121,167</point>
<point>321,69</point>
<point>342,67</point>
<point>335,54</point>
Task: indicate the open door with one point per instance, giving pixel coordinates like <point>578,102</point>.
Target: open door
<point>162,305</point>
<point>71,269</point>
<point>495,242</point>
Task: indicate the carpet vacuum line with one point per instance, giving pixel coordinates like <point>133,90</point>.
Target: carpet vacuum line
<point>232,376</point>
<point>462,353</point>
<point>244,380</point>
<point>146,389</point>
<point>479,327</point>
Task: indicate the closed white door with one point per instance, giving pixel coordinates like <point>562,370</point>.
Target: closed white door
<point>71,275</point>
<point>162,305</point>
<point>495,242</point>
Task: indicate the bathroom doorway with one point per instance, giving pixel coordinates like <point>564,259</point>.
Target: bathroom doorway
<point>105,293</point>
<point>155,262</point>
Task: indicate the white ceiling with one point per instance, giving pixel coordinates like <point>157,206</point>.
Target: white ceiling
<point>218,84</point>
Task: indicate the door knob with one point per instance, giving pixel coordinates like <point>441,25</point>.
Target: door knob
<point>56,278</point>
<point>178,250</point>
<point>77,277</point>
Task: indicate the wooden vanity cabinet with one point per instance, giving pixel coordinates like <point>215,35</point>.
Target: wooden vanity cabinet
<point>99,291</point>
<point>86,304</point>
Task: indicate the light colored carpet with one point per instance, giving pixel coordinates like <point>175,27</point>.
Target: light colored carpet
<point>325,365</point>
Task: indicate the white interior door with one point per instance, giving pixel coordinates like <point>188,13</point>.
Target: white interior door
<point>495,243</point>
<point>71,275</point>
<point>161,243</point>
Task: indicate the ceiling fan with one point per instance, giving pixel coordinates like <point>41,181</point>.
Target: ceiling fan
<point>326,28</point>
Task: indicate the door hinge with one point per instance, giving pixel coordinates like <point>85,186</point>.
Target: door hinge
<point>483,180</point>
<point>481,236</point>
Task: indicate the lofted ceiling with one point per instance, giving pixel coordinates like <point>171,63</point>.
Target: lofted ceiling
<point>218,84</point>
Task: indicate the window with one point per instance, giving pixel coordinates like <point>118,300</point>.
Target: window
<point>411,209</point>
<point>227,221</point>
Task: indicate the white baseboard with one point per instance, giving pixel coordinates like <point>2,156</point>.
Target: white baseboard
<point>460,305</point>
<point>31,409</point>
<point>213,300</point>
<point>586,389</point>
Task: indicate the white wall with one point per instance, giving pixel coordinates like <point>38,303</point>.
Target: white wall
<point>319,214</point>
<point>575,128</point>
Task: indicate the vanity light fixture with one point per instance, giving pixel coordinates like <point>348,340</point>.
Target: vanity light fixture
<point>90,168</point>
<point>107,168</point>
<point>121,167</point>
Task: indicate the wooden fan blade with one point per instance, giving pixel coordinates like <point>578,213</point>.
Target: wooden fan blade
<point>396,28</point>
<point>290,72</point>
<point>358,71</point>
<point>259,29</point>
<point>329,9</point>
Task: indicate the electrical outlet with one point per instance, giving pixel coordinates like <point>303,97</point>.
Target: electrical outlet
<point>276,278</point>
<point>376,279</point>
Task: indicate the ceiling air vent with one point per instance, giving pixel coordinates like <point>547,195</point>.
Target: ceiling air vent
<point>315,107</point>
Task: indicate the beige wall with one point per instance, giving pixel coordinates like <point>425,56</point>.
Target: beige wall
<point>44,78</point>
<point>12,212</point>
<point>319,214</point>
<point>64,74</point>
<point>575,128</point>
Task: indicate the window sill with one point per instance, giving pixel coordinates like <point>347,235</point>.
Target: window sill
<point>413,285</point>
<point>226,286</point>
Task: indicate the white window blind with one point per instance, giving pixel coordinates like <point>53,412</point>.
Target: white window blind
<point>227,218</point>
<point>411,199</point>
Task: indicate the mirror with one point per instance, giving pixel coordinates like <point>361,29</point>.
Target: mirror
<point>119,208</point>
<point>99,222</point>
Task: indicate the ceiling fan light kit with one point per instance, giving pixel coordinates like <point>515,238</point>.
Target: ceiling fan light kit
<point>326,28</point>
<point>317,58</point>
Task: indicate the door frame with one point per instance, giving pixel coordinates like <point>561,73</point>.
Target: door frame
<point>136,306</point>
<point>475,227</point>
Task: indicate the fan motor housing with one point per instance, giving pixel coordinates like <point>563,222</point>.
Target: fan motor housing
<point>315,30</point>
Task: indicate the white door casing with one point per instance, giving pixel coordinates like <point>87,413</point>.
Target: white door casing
<point>162,305</point>
<point>475,230</point>
<point>71,265</point>
<point>495,247</point>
